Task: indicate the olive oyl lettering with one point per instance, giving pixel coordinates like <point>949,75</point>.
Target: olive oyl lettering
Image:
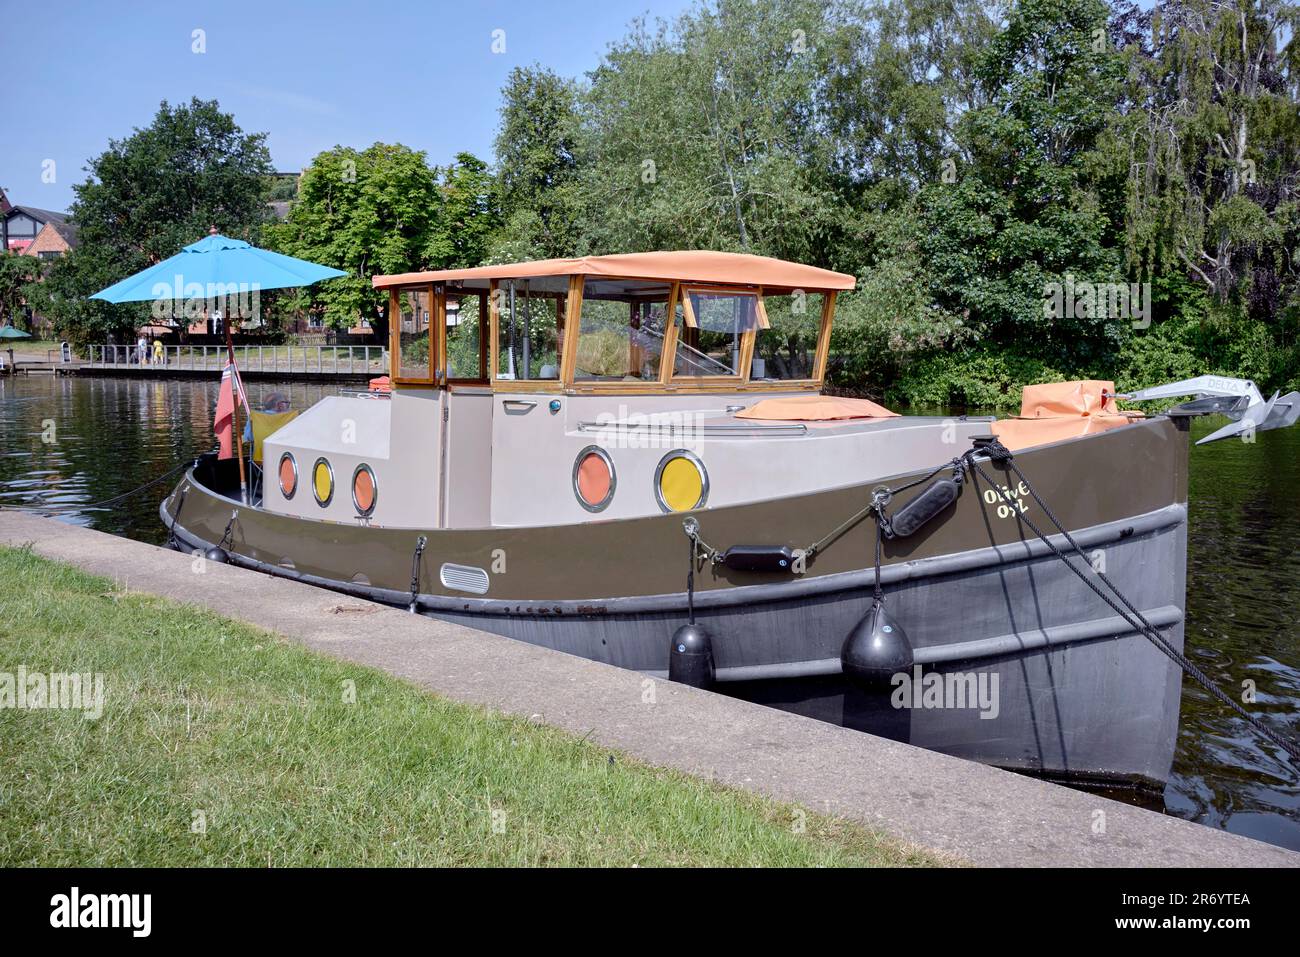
<point>134,911</point>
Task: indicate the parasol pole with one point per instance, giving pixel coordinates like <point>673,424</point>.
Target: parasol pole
<point>236,394</point>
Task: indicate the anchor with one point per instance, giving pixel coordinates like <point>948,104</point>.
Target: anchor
<point>1238,399</point>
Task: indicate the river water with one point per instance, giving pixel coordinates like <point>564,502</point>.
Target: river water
<point>68,442</point>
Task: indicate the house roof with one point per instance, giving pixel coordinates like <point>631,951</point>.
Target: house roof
<point>696,266</point>
<point>67,229</point>
<point>38,214</point>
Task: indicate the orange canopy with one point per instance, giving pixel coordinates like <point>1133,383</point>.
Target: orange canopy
<point>815,408</point>
<point>1054,411</point>
<point>675,266</point>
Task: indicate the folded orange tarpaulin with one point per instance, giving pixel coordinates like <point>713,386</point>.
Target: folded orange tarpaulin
<point>814,408</point>
<point>1054,411</point>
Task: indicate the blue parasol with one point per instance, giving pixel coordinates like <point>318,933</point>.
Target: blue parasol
<point>212,266</point>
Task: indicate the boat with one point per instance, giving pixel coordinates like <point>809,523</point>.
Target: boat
<point>631,458</point>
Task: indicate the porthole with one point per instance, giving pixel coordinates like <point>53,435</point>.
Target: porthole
<point>322,482</point>
<point>681,482</point>
<point>288,475</point>
<point>594,479</point>
<point>365,491</point>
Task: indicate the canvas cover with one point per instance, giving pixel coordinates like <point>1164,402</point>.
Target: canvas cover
<point>814,408</point>
<point>1054,411</point>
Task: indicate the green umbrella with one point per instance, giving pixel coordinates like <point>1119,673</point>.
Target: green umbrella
<point>9,332</point>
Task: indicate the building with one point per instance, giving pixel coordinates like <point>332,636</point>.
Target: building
<point>54,240</point>
<point>20,225</point>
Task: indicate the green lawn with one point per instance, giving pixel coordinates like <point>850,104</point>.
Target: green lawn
<point>205,715</point>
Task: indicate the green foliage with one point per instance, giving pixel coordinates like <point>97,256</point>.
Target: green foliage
<point>380,211</point>
<point>17,272</point>
<point>982,377</point>
<point>147,196</point>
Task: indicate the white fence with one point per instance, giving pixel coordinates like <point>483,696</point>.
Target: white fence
<point>286,360</point>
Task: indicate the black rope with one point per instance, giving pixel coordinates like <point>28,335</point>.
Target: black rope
<point>879,594</point>
<point>690,580</point>
<point>78,506</point>
<point>1135,619</point>
<point>416,561</point>
<point>873,505</point>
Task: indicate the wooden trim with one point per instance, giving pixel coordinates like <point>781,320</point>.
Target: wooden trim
<point>394,335</point>
<point>688,311</point>
<point>437,334</point>
<point>729,386</point>
<point>507,386</point>
<point>761,310</point>
<point>484,334</point>
<point>747,354</point>
<point>824,338</point>
<point>669,355</point>
<point>572,330</point>
<point>494,320</point>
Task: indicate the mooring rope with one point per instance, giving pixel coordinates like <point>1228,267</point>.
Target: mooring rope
<point>1136,620</point>
<point>417,560</point>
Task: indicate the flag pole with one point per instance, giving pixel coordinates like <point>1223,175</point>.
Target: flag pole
<point>237,395</point>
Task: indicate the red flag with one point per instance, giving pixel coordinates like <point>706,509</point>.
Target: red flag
<point>223,424</point>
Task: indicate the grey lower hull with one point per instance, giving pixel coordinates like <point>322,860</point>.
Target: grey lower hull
<point>1077,693</point>
<point>1069,689</point>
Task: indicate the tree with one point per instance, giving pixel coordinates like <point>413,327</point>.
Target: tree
<point>537,151</point>
<point>468,214</point>
<point>17,272</point>
<point>146,197</point>
<point>379,211</point>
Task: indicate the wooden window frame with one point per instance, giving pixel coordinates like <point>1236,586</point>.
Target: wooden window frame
<point>564,307</point>
<point>667,382</point>
<point>484,311</point>
<point>820,354</point>
<point>395,336</point>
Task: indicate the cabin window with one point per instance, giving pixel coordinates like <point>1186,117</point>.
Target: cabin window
<point>411,332</point>
<point>466,319</point>
<point>529,329</point>
<point>787,349</point>
<point>711,331</point>
<point>621,331</point>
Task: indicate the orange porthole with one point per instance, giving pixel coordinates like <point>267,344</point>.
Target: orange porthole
<point>288,475</point>
<point>365,493</point>
<point>594,479</point>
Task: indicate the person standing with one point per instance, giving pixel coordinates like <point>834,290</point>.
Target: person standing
<point>142,349</point>
<point>158,353</point>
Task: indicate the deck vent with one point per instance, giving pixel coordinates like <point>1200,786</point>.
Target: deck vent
<point>464,578</point>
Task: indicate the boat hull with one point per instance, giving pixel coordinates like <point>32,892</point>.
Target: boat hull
<point>1056,682</point>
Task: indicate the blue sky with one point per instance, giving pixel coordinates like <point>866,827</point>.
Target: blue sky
<point>311,74</point>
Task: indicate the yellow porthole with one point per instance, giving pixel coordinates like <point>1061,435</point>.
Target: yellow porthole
<point>322,482</point>
<point>681,482</point>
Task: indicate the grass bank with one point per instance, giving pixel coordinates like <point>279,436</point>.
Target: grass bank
<point>222,745</point>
